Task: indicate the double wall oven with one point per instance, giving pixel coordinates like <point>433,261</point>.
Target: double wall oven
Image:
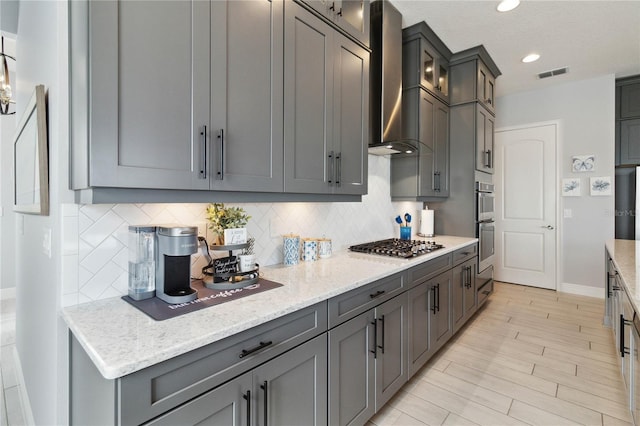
<point>485,232</point>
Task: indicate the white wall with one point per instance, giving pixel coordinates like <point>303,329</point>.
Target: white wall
<point>41,336</point>
<point>586,111</point>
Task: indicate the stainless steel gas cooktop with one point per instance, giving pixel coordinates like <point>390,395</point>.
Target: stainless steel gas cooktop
<point>395,247</point>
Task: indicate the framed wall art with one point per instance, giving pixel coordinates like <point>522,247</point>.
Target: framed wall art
<point>31,157</point>
<point>571,187</point>
<point>600,186</point>
<point>583,163</point>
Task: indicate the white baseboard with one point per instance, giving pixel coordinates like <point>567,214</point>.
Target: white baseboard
<point>8,293</point>
<point>582,290</point>
<point>27,414</point>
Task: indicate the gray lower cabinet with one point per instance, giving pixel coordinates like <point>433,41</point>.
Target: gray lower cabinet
<point>198,107</point>
<point>463,297</point>
<point>367,362</point>
<point>430,324</point>
<point>290,389</point>
<point>425,175</point>
<point>326,107</point>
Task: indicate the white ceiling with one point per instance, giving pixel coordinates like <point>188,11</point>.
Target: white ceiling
<point>591,38</point>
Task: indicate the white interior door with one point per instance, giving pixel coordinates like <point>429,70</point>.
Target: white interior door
<point>525,182</point>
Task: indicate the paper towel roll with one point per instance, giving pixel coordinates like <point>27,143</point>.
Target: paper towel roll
<point>426,223</point>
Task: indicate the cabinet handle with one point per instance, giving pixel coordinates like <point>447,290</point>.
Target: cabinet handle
<point>338,176</point>
<point>265,387</point>
<point>332,168</point>
<point>623,348</point>
<point>487,163</point>
<point>246,352</point>
<point>377,294</point>
<point>489,101</point>
<point>339,12</point>
<point>247,398</point>
<point>375,339</point>
<point>433,300</point>
<point>221,160</point>
<point>383,327</point>
<point>436,178</point>
<point>203,171</point>
<point>438,297</point>
<point>333,6</point>
<point>490,156</point>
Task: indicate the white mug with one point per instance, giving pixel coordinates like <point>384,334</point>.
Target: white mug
<point>247,262</point>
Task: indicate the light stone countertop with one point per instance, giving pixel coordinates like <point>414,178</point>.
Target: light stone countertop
<point>626,258</point>
<point>120,339</point>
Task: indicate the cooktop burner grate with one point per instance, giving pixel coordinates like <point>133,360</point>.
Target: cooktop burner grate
<point>395,247</point>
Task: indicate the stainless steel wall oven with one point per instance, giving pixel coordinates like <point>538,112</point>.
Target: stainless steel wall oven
<point>485,226</point>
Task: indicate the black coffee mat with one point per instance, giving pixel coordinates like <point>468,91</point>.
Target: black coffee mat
<point>160,310</point>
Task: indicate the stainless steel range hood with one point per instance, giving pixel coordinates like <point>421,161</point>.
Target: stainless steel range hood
<point>386,82</point>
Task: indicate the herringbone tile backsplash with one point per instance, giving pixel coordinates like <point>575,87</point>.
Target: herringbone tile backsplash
<point>95,253</point>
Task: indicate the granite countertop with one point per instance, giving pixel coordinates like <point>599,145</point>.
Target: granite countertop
<point>626,257</point>
<point>120,339</point>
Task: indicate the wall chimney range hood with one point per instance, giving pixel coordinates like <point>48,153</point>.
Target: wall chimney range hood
<point>386,82</point>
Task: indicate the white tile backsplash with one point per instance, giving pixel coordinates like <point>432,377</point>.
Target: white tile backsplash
<point>100,231</point>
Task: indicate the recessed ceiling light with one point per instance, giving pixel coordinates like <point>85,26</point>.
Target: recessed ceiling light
<point>507,5</point>
<point>532,57</point>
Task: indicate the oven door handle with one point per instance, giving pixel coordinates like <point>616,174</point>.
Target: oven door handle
<point>486,221</point>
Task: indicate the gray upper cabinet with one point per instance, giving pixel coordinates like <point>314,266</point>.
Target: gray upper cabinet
<point>473,78</point>
<point>485,126</point>
<point>215,117</point>
<point>628,121</point>
<point>425,61</point>
<point>351,16</point>
<point>326,107</point>
<point>426,175</point>
<point>628,98</point>
<point>139,114</point>
<point>246,134</point>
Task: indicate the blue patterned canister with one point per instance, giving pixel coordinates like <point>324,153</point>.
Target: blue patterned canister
<point>309,249</point>
<point>291,249</point>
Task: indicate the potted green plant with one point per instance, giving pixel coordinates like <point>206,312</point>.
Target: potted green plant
<point>223,218</point>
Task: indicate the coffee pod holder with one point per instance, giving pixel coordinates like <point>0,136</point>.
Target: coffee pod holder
<point>229,280</point>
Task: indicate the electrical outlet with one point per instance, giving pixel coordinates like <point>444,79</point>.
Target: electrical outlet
<point>46,242</point>
<point>568,213</point>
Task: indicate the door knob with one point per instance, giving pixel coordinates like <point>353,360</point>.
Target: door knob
<point>547,227</point>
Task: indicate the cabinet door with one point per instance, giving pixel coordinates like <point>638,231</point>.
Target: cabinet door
<point>419,313</point>
<point>292,388</point>
<point>391,361</point>
<point>227,405</point>
<point>486,86</point>
<point>351,16</point>
<point>246,131</point>
<point>308,98</point>
<point>352,371</point>
<point>351,116</point>
<point>440,327</point>
<point>630,141</point>
<point>463,293</point>
<point>630,100</point>
<point>485,124</point>
<point>441,160</point>
<point>149,94</point>
<point>434,135</point>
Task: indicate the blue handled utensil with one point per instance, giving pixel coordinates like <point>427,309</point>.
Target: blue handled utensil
<point>407,219</point>
<point>399,220</point>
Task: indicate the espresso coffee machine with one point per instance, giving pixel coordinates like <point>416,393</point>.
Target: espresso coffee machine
<point>175,245</point>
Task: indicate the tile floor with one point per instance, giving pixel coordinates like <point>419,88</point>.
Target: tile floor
<point>529,357</point>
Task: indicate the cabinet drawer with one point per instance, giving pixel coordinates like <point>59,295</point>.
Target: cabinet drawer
<point>161,387</point>
<point>465,253</point>
<point>348,305</point>
<point>484,292</point>
<point>430,269</point>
